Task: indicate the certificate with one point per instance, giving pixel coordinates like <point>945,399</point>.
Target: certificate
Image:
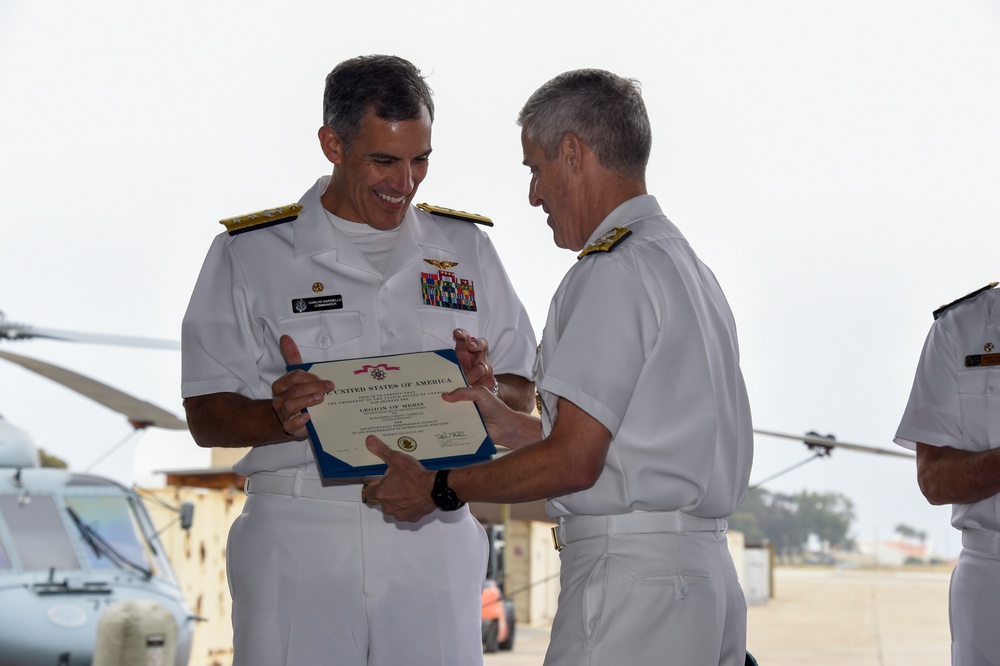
<point>398,399</point>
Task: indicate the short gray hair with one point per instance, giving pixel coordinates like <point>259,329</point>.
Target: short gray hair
<point>605,110</point>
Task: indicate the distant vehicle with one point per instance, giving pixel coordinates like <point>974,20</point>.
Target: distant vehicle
<point>823,559</point>
<point>498,611</point>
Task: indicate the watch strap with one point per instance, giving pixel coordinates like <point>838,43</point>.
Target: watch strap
<point>445,498</point>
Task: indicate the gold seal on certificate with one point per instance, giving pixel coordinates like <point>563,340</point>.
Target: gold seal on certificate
<point>398,399</point>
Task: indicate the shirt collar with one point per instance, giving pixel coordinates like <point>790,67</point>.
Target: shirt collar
<point>994,317</point>
<point>314,233</point>
<point>632,210</point>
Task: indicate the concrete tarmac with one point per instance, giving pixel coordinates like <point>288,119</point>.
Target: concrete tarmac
<point>826,617</point>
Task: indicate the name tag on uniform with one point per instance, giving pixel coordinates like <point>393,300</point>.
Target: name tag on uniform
<point>317,304</point>
<point>981,360</point>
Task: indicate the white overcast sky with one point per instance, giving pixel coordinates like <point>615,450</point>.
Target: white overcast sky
<point>835,163</point>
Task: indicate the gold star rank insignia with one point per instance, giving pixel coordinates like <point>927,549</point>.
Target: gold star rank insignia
<point>456,214</point>
<point>606,242</point>
<point>262,218</point>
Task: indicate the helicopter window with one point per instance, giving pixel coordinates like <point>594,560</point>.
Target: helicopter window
<point>39,534</point>
<point>112,518</point>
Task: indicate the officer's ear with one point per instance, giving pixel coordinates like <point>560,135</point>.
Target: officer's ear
<point>331,144</point>
<point>571,151</point>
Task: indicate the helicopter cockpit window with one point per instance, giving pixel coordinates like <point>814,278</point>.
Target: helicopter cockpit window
<point>113,519</point>
<point>38,533</point>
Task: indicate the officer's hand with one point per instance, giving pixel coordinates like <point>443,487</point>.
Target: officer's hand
<point>404,491</point>
<point>496,414</point>
<point>472,354</point>
<point>295,391</point>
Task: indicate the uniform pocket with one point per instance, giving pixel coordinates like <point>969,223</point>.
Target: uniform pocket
<point>594,593</point>
<point>681,581</point>
<point>325,332</point>
<point>438,323</point>
<point>977,388</point>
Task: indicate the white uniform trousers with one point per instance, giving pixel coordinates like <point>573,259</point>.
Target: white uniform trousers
<point>974,603</point>
<point>335,582</point>
<point>644,599</point>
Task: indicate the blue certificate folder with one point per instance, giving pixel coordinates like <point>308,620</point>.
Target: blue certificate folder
<point>386,396</point>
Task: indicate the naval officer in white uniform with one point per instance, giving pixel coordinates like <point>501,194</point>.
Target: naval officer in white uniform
<point>645,442</point>
<point>952,421</point>
<point>352,270</point>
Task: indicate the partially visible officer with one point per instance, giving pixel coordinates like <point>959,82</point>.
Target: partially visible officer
<point>952,420</point>
<point>317,577</point>
<point>645,443</point>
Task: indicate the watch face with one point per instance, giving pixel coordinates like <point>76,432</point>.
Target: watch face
<point>444,497</point>
<point>449,501</point>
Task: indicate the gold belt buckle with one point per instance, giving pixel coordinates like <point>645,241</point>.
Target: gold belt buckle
<point>555,539</point>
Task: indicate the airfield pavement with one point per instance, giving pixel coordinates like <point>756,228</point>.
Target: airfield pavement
<point>822,616</point>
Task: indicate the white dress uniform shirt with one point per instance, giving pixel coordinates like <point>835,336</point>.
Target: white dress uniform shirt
<point>643,340</point>
<point>955,406</point>
<point>247,295</point>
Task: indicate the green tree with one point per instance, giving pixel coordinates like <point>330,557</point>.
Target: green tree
<point>49,460</point>
<point>747,518</point>
<point>906,532</point>
<point>826,515</point>
<point>787,521</point>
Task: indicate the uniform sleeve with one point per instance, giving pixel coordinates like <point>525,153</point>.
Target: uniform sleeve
<point>604,324</point>
<point>218,343</point>
<point>509,331</point>
<point>933,414</point>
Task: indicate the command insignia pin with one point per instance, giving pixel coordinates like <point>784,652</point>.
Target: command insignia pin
<point>988,347</point>
<point>318,287</point>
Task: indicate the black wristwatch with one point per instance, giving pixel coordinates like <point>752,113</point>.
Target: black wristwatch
<point>443,496</point>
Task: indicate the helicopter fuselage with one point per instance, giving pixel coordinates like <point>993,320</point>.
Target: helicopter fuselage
<point>71,546</point>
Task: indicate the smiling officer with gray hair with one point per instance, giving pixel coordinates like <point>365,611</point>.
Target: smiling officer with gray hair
<point>644,443</point>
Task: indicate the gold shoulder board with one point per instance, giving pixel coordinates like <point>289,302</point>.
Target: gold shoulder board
<point>456,214</point>
<point>944,308</point>
<point>607,242</point>
<point>262,218</point>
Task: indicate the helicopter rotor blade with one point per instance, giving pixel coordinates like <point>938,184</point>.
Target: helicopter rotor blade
<point>141,414</point>
<point>833,443</point>
<point>14,331</point>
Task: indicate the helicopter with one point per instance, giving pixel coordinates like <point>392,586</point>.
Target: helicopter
<point>822,446</point>
<point>76,547</point>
